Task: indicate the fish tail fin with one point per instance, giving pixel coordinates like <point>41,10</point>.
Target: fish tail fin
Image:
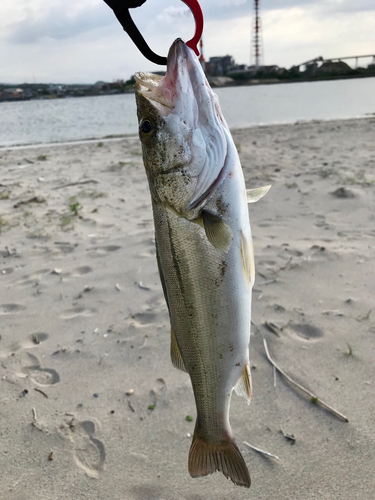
<point>206,458</point>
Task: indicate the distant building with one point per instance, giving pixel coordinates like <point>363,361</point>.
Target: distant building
<point>56,89</point>
<point>271,70</point>
<point>333,68</point>
<point>219,66</point>
<point>243,72</point>
<point>12,94</point>
<point>311,68</point>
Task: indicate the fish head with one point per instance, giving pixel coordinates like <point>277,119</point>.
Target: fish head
<point>183,133</point>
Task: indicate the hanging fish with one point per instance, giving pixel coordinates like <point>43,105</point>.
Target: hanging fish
<point>204,248</point>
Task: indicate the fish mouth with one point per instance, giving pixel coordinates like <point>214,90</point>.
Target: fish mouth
<point>161,91</point>
<point>150,86</point>
<point>180,86</point>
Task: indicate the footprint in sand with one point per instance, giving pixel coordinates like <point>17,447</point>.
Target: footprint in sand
<point>76,312</point>
<point>81,271</point>
<point>11,308</point>
<point>100,251</point>
<point>143,319</point>
<point>41,376</point>
<point>65,247</point>
<point>294,252</point>
<point>31,341</point>
<point>89,452</point>
<point>28,280</point>
<point>35,339</point>
<point>306,331</point>
<point>6,270</point>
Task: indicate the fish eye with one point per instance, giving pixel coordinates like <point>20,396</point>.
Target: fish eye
<point>146,127</point>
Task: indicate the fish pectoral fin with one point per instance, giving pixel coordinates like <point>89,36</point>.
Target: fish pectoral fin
<point>176,357</point>
<point>247,258</point>
<point>256,194</point>
<point>206,458</point>
<point>217,231</point>
<point>243,386</point>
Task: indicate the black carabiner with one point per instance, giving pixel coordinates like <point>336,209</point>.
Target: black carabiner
<point>121,10</point>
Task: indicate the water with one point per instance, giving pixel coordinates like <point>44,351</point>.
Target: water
<point>61,120</point>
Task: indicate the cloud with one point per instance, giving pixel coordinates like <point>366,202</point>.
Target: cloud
<point>59,23</point>
<point>350,5</point>
<point>170,14</point>
<point>88,42</point>
<point>66,19</point>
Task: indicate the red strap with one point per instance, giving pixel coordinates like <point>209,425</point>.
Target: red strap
<point>198,16</point>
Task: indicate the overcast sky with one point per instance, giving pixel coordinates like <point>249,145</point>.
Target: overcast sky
<point>81,41</point>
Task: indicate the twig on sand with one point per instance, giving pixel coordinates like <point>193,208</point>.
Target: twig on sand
<point>34,199</point>
<point>18,480</point>
<point>274,327</point>
<point>41,392</point>
<point>282,268</point>
<point>78,183</point>
<point>268,282</point>
<point>261,451</point>
<point>313,397</point>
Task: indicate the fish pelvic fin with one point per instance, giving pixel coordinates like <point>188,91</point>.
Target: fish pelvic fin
<point>176,357</point>
<point>206,458</point>
<point>244,386</point>
<point>256,194</point>
<point>217,231</point>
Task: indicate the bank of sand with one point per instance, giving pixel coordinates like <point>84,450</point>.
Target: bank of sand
<point>84,323</point>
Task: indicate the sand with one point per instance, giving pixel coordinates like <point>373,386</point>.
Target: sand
<point>90,405</point>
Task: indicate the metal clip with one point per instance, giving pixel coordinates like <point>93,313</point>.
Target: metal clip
<point>121,10</point>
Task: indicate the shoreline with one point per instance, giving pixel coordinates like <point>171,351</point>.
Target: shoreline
<point>235,83</point>
<point>120,137</point>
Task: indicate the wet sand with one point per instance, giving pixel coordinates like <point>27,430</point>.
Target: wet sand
<point>90,405</point>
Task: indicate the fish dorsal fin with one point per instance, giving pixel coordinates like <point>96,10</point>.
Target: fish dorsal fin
<point>247,258</point>
<point>243,386</point>
<point>217,231</point>
<point>176,357</point>
<point>256,194</point>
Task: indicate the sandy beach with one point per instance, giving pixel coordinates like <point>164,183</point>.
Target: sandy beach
<point>90,405</point>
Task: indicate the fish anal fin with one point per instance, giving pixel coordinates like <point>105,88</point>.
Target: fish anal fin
<point>256,194</point>
<point>206,458</point>
<point>247,259</point>
<point>217,231</point>
<point>176,357</point>
<point>244,386</point>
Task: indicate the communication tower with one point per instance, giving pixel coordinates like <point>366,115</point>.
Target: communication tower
<point>256,45</point>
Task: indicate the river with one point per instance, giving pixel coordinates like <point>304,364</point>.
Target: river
<point>72,119</point>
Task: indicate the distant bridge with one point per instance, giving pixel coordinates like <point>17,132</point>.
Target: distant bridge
<point>334,59</point>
